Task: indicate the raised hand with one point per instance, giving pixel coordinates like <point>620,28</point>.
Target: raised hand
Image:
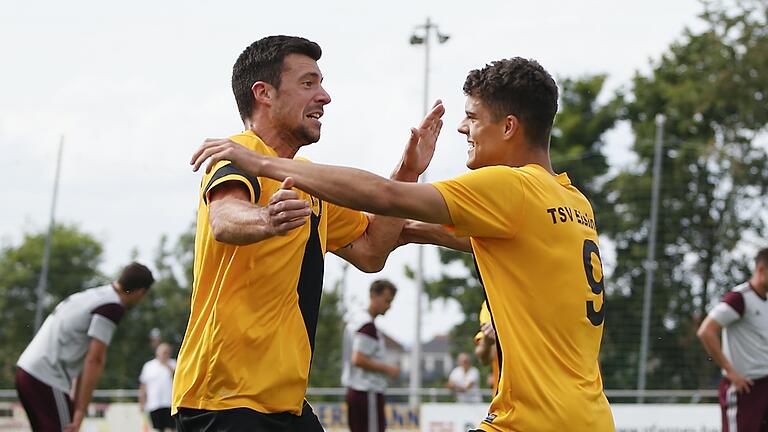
<point>216,149</point>
<point>421,144</point>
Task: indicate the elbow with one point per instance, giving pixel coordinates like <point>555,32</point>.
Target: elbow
<point>96,362</point>
<point>373,264</point>
<point>357,359</point>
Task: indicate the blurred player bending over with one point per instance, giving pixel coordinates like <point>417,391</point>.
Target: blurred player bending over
<point>259,251</point>
<point>533,236</point>
<point>69,351</point>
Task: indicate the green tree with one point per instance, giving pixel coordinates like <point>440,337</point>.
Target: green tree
<point>74,261</point>
<point>711,87</point>
<point>327,358</point>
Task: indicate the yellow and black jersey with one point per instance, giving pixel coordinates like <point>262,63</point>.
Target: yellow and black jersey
<point>251,331</point>
<point>535,243</point>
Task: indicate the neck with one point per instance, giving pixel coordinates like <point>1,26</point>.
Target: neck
<point>757,286</point>
<point>529,154</point>
<point>273,137</point>
<point>372,313</point>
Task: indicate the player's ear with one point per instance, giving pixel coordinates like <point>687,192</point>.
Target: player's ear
<point>511,126</point>
<point>263,92</point>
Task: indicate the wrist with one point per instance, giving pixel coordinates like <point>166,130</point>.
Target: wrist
<point>404,175</point>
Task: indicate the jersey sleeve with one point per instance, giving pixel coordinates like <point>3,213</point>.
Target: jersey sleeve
<point>486,202</point>
<point>224,171</point>
<point>364,340</point>
<point>104,320</point>
<point>143,375</point>
<point>729,310</point>
<point>344,226</point>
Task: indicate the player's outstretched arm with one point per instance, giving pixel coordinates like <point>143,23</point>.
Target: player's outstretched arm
<point>370,251</point>
<point>235,220</point>
<point>429,233</point>
<point>347,187</point>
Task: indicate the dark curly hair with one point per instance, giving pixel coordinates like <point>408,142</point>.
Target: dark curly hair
<point>520,87</point>
<point>263,61</point>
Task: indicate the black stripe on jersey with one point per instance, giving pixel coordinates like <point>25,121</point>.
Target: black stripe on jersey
<point>310,287</point>
<point>493,323</point>
<point>229,170</point>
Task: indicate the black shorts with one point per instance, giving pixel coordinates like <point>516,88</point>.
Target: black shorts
<point>48,409</point>
<point>161,419</point>
<point>365,411</point>
<point>246,420</point>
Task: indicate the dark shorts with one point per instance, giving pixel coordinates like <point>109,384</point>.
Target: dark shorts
<point>161,419</point>
<point>365,411</point>
<point>246,420</point>
<point>744,412</point>
<point>48,409</point>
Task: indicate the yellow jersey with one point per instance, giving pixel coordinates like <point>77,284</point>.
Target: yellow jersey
<point>536,246</point>
<point>251,330</point>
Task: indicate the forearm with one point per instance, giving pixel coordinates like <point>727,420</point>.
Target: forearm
<point>87,381</point>
<point>142,396</point>
<point>238,222</point>
<point>483,352</point>
<point>711,344</point>
<point>369,364</point>
<point>436,234</point>
<point>347,187</point>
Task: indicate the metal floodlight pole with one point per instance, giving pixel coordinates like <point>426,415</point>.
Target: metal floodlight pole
<point>650,262</point>
<point>415,373</point>
<point>42,282</point>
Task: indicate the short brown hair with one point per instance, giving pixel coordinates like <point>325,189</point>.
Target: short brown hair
<point>762,257</point>
<point>378,286</point>
<point>135,276</point>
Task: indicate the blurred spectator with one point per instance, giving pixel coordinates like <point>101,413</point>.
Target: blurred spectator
<point>365,368</point>
<point>464,380</point>
<point>156,387</point>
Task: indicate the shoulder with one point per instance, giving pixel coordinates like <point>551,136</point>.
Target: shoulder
<point>735,299</point>
<point>368,329</point>
<point>113,311</point>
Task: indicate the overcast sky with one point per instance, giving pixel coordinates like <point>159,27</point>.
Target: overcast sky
<point>135,87</point>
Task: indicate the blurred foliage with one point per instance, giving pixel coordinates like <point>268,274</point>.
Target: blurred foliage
<point>711,88</point>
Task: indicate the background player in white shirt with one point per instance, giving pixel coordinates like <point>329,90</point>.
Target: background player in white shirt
<point>69,351</point>
<point>742,316</point>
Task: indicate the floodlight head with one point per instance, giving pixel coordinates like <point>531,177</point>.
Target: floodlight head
<point>416,40</point>
<point>442,38</point>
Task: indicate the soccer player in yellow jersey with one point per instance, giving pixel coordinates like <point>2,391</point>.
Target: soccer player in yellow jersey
<point>533,235</point>
<point>259,250</point>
